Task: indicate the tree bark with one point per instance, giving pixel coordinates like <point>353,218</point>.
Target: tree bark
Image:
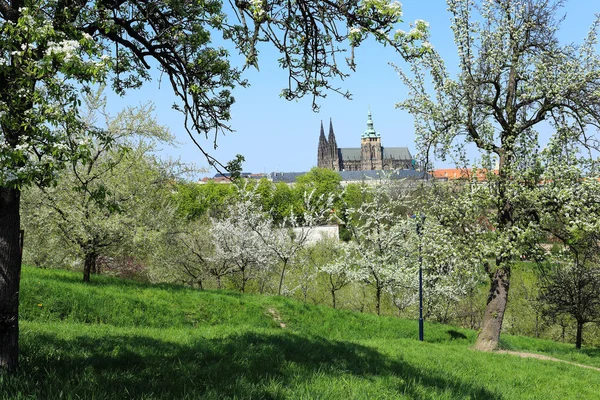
<point>243,286</point>
<point>579,335</point>
<point>488,338</point>
<point>281,278</point>
<point>378,300</point>
<point>333,297</point>
<point>10,274</point>
<point>89,265</point>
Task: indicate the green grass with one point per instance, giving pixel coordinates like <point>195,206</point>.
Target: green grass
<point>121,339</point>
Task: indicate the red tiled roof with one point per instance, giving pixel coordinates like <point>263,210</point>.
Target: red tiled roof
<point>460,173</point>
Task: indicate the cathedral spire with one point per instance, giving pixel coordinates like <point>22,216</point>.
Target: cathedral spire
<point>323,150</point>
<point>370,132</point>
<point>331,138</point>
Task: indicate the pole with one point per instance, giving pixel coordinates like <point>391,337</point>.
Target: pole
<point>420,295</point>
<point>420,233</point>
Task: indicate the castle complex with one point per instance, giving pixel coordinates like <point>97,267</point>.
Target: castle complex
<point>370,156</point>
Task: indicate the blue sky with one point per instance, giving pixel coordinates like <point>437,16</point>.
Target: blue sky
<point>275,135</point>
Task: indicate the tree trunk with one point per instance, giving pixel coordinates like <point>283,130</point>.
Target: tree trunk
<point>333,297</point>
<point>488,338</point>
<point>89,265</point>
<point>10,274</point>
<point>243,286</point>
<point>281,278</point>
<point>378,300</point>
<point>579,335</point>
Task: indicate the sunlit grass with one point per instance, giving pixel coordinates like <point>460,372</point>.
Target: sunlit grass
<point>121,339</point>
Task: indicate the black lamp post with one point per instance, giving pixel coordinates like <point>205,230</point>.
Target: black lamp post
<point>420,224</point>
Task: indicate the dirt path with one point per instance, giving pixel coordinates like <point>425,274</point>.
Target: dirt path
<point>543,357</point>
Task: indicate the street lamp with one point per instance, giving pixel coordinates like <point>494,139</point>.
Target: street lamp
<point>420,224</point>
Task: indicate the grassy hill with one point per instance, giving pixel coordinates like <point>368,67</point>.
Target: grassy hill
<point>121,339</point>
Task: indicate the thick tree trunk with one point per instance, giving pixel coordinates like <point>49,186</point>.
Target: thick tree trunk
<point>494,311</point>
<point>89,265</point>
<point>10,274</point>
<point>579,335</point>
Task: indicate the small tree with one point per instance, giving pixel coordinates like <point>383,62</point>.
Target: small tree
<point>184,255</point>
<point>389,247</point>
<point>378,254</point>
<point>96,205</point>
<point>336,273</point>
<point>238,239</point>
<point>572,287</point>
<point>286,240</point>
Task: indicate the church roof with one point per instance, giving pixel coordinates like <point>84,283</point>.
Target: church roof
<point>397,153</point>
<point>354,154</point>
<point>287,177</point>
<point>353,176</point>
<point>349,153</point>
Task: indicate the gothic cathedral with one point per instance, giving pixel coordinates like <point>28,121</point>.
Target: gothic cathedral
<point>370,156</point>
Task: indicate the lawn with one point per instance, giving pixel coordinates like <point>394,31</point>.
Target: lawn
<point>122,339</point>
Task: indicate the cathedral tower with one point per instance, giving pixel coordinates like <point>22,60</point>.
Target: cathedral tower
<point>327,154</point>
<point>370,148</point>
<point>333,149</point>
<point>323,150</point>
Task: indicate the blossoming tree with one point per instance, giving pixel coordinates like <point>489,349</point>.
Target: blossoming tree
<point>389,247</point>
<point>97,205</point>
<point>513,76</point>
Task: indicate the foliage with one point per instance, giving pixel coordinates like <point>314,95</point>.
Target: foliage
<point>195,201</point>
<point>103,205</point>
<point>322,181</point>
<point>389,247</point>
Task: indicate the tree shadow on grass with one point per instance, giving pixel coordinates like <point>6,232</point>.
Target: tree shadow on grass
<point>247,365</point>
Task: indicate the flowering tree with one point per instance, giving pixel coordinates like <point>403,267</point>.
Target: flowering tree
<point>389,247</point>
<point>97,204</point>
<point>570,279</point>
<point>378,254</point>
<point>451,267</point>
<point>287,239</point>
<point>337,274</point>
<point>513,75</point>
<point>238,243</point>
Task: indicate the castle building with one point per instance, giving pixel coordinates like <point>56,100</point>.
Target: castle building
<point>370,156</point>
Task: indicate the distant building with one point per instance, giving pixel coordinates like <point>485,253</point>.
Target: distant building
<point>450,174</point>
<point>226,177</point>
<point>370,156</point>
<point>317,233</point>
<point>369,177</point>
